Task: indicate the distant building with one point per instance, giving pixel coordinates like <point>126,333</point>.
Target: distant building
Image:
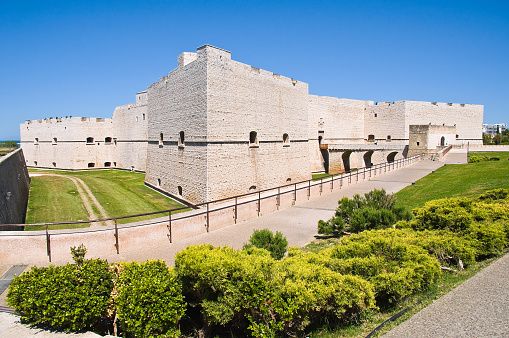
<point>493,129</point>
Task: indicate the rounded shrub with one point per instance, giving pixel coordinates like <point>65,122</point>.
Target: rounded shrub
<point>69,297</point>
<point>149,299</point>
<point>265,239</point>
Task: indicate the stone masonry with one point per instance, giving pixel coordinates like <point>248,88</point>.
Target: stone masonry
<point>214,128</point>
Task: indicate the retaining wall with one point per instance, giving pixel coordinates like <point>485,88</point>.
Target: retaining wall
<point>14,188</point>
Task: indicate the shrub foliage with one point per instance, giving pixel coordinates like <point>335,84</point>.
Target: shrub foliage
<point>376,210</point>
<point>265,239</point>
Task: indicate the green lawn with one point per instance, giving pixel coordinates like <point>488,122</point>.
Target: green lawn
<point>120,193</point>
<point>54,199</point>
<point>455,180</point>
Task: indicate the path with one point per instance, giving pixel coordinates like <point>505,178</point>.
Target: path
<point>477,308</point>
<point>86,196</point>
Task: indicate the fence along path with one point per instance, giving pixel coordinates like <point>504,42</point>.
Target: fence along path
<point>161,237</point>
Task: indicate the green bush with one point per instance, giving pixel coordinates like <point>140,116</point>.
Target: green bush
<point>69,297</point>
<point>149,299</point>
<point>376,210</point>
<point>396,268</point>
<point>494,195</point>
<point>451,214</point>
<point>249,291</point>
<point>265,239</point>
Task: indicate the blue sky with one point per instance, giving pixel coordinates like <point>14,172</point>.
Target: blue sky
<point>83,58</point>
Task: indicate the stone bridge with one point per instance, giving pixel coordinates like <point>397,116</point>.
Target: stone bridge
<point>346,157</point>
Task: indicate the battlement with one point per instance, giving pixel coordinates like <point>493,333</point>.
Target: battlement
<point>68,119</point>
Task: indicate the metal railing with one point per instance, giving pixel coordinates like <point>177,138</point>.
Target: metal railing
<point>207,208</point>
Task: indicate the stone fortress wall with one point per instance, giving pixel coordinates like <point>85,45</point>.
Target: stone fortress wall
<point>214,127</point>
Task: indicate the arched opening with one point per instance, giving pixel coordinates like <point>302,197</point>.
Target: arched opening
<point>286,139</point>
<point>35,162</point>
<point>288,180</point>
<point>253,139</point>
<point>252,188</point>
<point>181,139</point>
<point>91,164</point>
<point>367,159</point>
<point>179,188</point>
<point>442,141</point>
<point>54,164</point>
<point>90,140</point>
<point>54,140</point>
<point>391,156</point>
<point>346,160</point>
<point>320,138</point>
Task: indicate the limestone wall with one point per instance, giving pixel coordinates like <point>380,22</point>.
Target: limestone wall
<point>68,143</point>
<point>14,188</point>
<point>386,121</point>
<point>241,100</point>
<point>130,130</point>
<point>178,103</point>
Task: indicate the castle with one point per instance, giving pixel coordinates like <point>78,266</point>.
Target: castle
<point>214,127</point>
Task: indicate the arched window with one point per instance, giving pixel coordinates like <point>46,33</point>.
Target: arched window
<point>36,141</point>
<point>181,139</point>
<point>143,117</point>
<point>54,164</point>
<point>286,140</point>
<point>252,188</point>
<point>179,188</point>
<point>253,139</point>
<point>442,141</point>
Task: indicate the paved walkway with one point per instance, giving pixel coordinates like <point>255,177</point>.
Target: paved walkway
<point>299,225</point>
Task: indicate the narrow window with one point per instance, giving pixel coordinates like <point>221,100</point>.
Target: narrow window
<point>115,141</point>
<point>136,118</point>
<point>376,114</point>
<point>54,140</point>
<point>181,139</point>
<point>107,164</point>
<point>161,139</point>
<point>388,137</point>
<point>418,143</point>
<point>36,141</point>
<point>114,164</point>
<point>457,136</point>
<point>54,164</point>
<point>107,140</point>
<point>90,140</point>
<point>371,137</point>
<point>35,162</point>
<point>253,139</point>
<point>158,182</point>
<point>179,188</point>
<point>143,117</point>
<point>91,164</point>
<point>286,140</point>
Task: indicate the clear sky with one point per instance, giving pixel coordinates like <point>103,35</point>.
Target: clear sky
<point>83,58</point>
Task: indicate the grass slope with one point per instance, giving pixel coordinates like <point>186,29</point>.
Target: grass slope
<point>120,193</point>
<point>54,199</point>
<point>456,180</point>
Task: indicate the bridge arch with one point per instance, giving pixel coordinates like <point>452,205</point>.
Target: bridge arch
<point>346,160</point>
<point>391,156</point>
<point>367,159</point>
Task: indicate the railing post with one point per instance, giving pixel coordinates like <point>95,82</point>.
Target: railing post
<point>357,176</point>
<point>278,201</point>
<point>332,183</point>
<point>207,224</point>
<point>235,216</point>
<point>295,192</point>
<point>309,188</point>
<point>48,243</point>
<point>169,226</point>
<point>116,236</point>
<point>259,202</point>
<point>321,184</point>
